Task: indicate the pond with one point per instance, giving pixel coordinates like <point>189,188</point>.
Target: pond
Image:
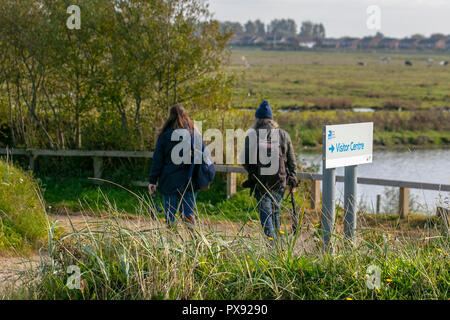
<point>431,166</point>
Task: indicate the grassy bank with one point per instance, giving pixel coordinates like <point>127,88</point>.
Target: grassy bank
<point>23,221</point>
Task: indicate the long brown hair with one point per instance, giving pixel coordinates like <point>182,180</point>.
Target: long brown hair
<point>264,122</point>
<point>178,119</point>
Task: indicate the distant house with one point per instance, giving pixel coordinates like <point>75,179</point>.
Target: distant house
<point>369,42</point>
<point>408,44</point>
<point>440,44</point>
<point>295,42</point>
<point>258,40</point>
<point>429,44</point>
<point>285,42</point>
<point>364,43</point>
<point>329,43</point>
<point>307,43</point>
<point>290,41</point>
<point>388,43</point>
<point>273,40</point>
<point>246,41</point>
<point>375,41</point>
<point>234,40</point>
<point>351,43</point>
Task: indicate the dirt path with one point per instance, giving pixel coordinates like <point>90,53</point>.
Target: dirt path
<point>11,267</point>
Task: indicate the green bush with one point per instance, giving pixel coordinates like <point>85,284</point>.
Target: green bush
<point>23,220</point>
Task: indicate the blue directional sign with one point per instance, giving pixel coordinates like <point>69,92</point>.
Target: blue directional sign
<point>331,148</point>
<point>348,144</point>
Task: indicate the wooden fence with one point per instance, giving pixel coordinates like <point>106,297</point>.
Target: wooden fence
<point>231,172</point>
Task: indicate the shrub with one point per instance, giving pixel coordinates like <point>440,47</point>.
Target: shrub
<point>404,104</point>
<point>23,220</point>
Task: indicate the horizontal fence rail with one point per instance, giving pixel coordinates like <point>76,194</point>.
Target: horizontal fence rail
<point>220,167</point>
<point>78,153</point>
<point>231,172</point>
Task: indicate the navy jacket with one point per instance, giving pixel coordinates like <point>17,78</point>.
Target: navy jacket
<point>171,178</point>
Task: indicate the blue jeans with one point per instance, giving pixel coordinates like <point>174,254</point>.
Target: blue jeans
<point>183,203</point>
<point>269,211</point>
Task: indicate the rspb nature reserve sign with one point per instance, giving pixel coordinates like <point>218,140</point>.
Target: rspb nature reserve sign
<point>347,144</point>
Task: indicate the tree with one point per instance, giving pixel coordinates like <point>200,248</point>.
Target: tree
<point>77,56</point>
<point>235,27</point>
<point>310,30</point>
<point>24,37</point>
<point>283,27</point>
<point>437,36</point>
<point>250,28</point>
<point>417,36</point>
<point>319,31</point>
<point>130,61</point>
<point>260,28</point>
<point>307,29</point>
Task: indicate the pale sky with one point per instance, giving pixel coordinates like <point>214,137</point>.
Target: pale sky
<point>399,18</point>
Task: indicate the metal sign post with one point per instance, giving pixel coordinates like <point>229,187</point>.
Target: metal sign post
<point>328,205</point>
<point>345,145</point>
<point>350,195</point>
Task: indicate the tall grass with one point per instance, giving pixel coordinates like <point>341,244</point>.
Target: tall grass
<point>140,258</point>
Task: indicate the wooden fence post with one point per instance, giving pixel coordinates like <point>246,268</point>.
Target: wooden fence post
<point>32,160</point>
<point>231,184</point>
<point>378,203</point>
<point>98,168</point>
<point>315,194</point>
<point>403,207</point>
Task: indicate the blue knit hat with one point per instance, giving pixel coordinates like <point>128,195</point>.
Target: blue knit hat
<point>264,111</point>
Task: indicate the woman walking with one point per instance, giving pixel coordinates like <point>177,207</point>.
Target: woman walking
<point>174,179</point>
<point>269,188</point>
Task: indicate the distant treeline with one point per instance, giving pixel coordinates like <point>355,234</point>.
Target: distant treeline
<point>277,28</point>
<point>285,34</point>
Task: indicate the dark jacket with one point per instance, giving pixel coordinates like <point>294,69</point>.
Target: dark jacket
<point>172,178</point>
<point>287,151</point>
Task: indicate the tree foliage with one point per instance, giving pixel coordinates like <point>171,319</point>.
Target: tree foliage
<point>283,28</point>
<point>110,83</point>
<point>311,30</point>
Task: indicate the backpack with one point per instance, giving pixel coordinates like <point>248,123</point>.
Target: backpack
<point>202,174</point>
<point>270,181</point>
